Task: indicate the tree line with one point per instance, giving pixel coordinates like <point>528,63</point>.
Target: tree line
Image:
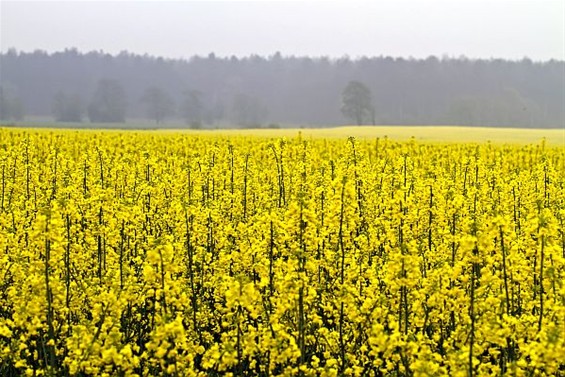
<point>71,86</point>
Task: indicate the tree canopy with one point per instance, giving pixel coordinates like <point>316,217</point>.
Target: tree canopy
<point>108,103</point>
<point>11,107</point>
<point>192,108</point>
<point>357,103</point>
<point>67,108</point>
<point>159,104</point>
<point>301,90</point>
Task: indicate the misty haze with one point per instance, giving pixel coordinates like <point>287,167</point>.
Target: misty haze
<point>218,65</point>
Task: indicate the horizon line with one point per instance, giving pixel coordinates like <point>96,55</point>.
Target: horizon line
<point>344,57</point>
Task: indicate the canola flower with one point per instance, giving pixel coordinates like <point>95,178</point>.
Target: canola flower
<point>142,254</point>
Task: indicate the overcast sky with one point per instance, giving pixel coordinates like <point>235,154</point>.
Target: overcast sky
<point>179,29</point>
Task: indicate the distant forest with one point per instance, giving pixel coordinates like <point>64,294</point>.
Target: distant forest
<point>278,90</point>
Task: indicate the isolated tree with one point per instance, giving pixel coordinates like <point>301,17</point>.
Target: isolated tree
<point>11,108</point>
<point>248,110</point>
<point>67,108</point>
<point>16,109</point>
<point>159,104</point>
<point>215,112</point>
<point>108,103</point>
<point>4,105</point>
<point>192,109</point>
<point>356,103</point>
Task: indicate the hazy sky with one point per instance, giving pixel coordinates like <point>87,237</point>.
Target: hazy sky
<point>477,29</point>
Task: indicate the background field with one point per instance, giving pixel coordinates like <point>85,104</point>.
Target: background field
<point>421,133</point>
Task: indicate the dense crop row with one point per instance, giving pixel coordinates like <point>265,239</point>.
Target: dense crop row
<point>145,254</point>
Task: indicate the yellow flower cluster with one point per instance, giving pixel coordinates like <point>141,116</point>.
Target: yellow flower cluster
<point>143,254</point>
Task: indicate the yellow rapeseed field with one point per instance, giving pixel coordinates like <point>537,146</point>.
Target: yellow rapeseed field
<point>177,254</point>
